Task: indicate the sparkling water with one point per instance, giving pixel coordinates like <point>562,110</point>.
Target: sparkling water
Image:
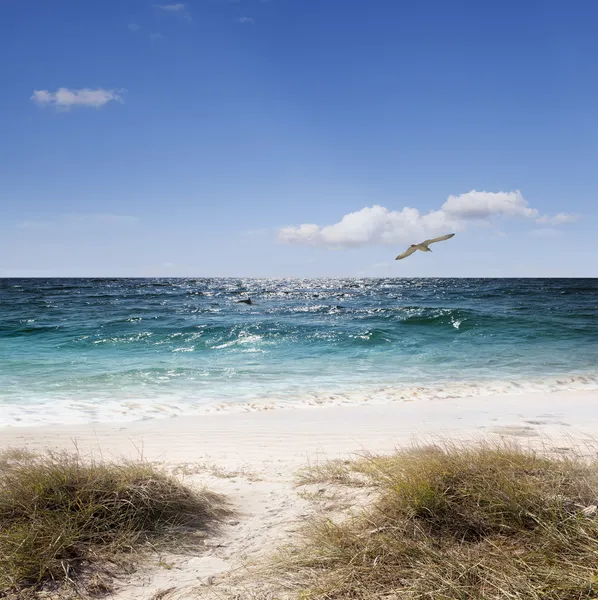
<point>80,350</point>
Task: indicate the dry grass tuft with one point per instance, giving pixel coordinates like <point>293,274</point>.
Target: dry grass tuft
<point>338,472</point>
<point>61,516</point>
<point>455,522</point>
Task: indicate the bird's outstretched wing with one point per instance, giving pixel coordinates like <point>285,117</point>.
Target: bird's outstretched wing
<point>405,254</point>
<point>448,236</point>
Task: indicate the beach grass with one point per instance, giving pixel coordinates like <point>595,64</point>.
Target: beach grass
<point>64,520</point>
<point>449,521</point>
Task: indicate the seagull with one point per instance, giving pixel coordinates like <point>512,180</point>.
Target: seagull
<point>423,246</point>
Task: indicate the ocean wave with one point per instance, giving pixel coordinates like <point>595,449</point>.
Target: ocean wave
<point>136,406</point>
<point>372,337</point>
<point>188,345</point>
<point>28,330</point>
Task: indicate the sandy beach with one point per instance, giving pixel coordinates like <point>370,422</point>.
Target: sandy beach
<point>298,300</point>
<point>253,458</point>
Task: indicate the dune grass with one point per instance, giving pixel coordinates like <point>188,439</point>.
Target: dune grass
<point>62,517</point>
<point>456,522</point>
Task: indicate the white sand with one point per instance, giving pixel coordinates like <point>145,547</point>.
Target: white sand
<point>252,457</point>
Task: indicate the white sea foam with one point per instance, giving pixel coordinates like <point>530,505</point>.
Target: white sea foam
<point>133,406</point>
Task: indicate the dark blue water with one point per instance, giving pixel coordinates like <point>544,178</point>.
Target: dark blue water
<point>74,350</point>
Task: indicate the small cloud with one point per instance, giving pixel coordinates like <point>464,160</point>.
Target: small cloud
<point>156,36</point>
<point>559,219</point>
<point>65,99</point>
<point>178,9</point>
<point>134,27</point>
<point>171,7</point>
<point>246,20</point>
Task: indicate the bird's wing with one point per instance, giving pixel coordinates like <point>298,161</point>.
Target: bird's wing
<point>448,236</point>
<point>405,254</point>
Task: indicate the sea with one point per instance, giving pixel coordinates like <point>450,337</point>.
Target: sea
<point>110,350</point>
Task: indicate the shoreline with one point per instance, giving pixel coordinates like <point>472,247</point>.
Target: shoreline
<point>523,415</point>
<point>81,412</point>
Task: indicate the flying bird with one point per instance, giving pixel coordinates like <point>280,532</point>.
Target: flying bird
<point>424,246</point>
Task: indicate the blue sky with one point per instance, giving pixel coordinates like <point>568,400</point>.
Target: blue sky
<point>196,139</point>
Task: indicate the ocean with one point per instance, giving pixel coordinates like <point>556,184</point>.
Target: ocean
<point>105,350</point>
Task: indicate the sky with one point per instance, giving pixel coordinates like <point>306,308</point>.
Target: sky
<point>298,138</point>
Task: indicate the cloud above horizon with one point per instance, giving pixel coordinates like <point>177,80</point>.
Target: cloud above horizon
<point>246,20</point>
<point>171,7</point>
<point>65,99</point>
<point>176,9</point>
<point>379,225</point>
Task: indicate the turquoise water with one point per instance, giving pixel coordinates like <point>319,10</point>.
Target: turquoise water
<point>80,350</point>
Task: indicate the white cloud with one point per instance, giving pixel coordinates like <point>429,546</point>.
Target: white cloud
<point>372,225</point>
<point>559,219</point>
<point>171,7</point>
<point>178,9</point>
<point>156,36</point>
<point>379,225</point>
<point>246,20</point>
<point>134,27</point>
<point>65,99</point>
<point>482,205</point>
